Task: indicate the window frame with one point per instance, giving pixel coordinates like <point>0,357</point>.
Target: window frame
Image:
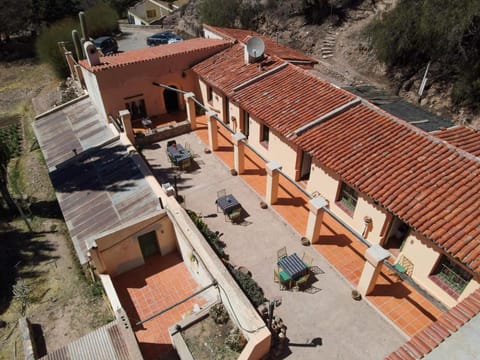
<point>443,273</point>
<point>265,135</point>
<point>350,193</point>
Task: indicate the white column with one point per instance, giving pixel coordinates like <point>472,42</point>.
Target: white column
<point>239,152</point>
<point>127,125</point>
<point>190,106</point>
<point>315,218</point>
<point>375,256</point>
<point>272,181</point>
<point>212,130</point>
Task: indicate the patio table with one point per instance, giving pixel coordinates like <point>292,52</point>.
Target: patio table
<point>179,155</point>
<point>293,266</point>
<point>227,203</point>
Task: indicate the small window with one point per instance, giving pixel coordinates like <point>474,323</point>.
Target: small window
<point>265,135</point>
<point>347,198</point>
<point>209,94</point>
<point>151,13</point>
<point>452,278</point>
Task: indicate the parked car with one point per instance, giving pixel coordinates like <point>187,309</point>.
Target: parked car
<point>166,37</point>
<point>106,44</point>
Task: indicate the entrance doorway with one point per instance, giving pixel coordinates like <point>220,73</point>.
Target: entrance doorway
<point>306,166</point>
<point>396,236</point>
<point>148,244</point>
<point>171,99</point>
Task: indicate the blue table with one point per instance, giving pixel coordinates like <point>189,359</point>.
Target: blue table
<point>293,266</point>
<point>228,203</point>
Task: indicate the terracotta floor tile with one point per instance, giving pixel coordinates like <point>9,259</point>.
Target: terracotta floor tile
<point>145,292</point>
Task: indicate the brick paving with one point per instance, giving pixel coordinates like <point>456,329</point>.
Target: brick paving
<point>398,301</point>
<point>153,287</point>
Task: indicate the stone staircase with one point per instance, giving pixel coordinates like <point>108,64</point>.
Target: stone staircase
<point>328,44</point>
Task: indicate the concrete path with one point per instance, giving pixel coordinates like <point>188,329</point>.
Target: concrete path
<point>348,329</point>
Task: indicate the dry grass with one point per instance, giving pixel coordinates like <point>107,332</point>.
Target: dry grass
<point>62,303</point>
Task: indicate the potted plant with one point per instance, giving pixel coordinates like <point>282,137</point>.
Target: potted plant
<point>233,172</point>
<point>356,295</point>
<point>305,241</point>
<point>263,204</point>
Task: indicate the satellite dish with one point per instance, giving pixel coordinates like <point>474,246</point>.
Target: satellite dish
<point>255,47</point>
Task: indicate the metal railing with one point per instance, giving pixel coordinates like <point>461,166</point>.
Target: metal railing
<point>452,279</point>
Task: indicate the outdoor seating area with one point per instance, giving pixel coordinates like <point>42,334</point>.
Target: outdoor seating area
<point>292,272</point>
<point>323,297</point>
<point>178,155</point>
<point>229,205</point>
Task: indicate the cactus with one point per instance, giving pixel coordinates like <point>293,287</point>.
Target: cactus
<point>83,26</point>
<point>78,45</point>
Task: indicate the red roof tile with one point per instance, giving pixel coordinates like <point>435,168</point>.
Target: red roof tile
<point>271,47</point>
<point>227,69</point>
<point>155,53</point>
<point>290,98</point>
<point>432,336</point>
<point>431,185</point>
<point>463,137</point>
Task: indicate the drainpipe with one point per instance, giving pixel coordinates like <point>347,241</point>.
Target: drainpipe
<point>367,226</point>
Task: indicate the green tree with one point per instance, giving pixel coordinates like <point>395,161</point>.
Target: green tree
<point>447,33</point>
<point>14,16</point>
<point>219,12</point>
<point>9,148</point>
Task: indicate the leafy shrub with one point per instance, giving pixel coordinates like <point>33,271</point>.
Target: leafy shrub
<point>235,340</point>
<point>249,286</point>
<point>443,32</point>
<point>219,12</point>
<point>10,142</point>
<point>213,238</point>
<point>101,20</point>
<point>47,45</point>
<point>219,314</point>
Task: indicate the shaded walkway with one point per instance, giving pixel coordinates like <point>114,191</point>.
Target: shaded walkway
<point>400,303</point>
<point>148,289</point>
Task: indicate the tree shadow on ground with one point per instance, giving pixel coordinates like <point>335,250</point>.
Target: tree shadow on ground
<point>19,251</point>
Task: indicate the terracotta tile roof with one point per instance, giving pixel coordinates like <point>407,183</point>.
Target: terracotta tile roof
<point>284,99</point>
<point>227,69</point>
<point>290,98</point>
<point>155,53</point>
<point>271,47</point>
<point>428,183</point>
<point>437,332</point>
<point>463,137</point>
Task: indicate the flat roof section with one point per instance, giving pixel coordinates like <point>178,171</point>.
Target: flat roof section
<point>99,189</point>
<point>400,108</point>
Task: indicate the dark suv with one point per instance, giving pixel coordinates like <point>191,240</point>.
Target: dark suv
<point>106,44</point>
<point>166,37</point>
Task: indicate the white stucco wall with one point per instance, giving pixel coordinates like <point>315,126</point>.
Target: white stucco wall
<point>94,92</point>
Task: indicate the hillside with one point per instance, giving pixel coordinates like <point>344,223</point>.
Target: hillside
<point>344,55</point>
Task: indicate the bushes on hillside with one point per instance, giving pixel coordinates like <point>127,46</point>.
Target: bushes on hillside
<point>444,32</point>
<point>101,20</point>
<point>219,12</point>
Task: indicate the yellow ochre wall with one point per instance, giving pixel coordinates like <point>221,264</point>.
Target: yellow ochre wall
<point>120,251</point>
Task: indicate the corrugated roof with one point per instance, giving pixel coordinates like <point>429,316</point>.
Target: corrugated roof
<point>105,343</point>
<point>433,335</point>
<point>155,53</point>
<point>99,189</point>
<point>432,186</point>
<point>463,137</point>
<point>271,47</point>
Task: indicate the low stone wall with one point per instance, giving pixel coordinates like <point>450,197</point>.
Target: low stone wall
<point>163,133</point>
<point>28,344</point>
